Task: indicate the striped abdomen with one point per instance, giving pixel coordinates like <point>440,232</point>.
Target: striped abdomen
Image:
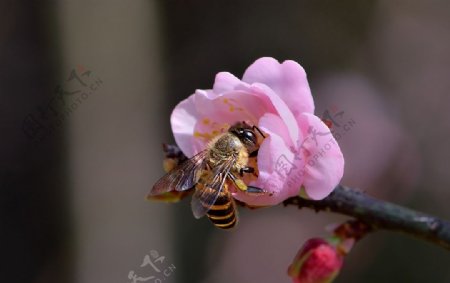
<point>223,213</point>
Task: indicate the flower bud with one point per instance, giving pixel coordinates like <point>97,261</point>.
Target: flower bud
<point>318,261</point>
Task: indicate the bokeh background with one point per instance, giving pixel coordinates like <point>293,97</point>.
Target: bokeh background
<point>74,171</point>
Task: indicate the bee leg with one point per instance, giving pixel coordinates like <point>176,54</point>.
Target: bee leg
<point>255,190</point>
<point>249,170</point>
<point>254,153</point>
<point>238,183</point>
<point>246,170</point>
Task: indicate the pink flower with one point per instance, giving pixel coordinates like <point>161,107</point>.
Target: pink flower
<point>317,262</point>
<point>298,151</point>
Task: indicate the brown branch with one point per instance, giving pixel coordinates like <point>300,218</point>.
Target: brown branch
<point>380,214</point>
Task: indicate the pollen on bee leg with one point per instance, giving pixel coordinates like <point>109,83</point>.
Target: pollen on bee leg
<point>169,164</point>
<point>241,185</point>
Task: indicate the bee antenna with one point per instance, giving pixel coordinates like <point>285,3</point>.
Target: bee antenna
<point>260,132</point>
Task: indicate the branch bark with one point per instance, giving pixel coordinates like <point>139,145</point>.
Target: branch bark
<point>380,214</point>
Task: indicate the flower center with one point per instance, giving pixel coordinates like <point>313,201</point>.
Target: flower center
<point>206,130</point>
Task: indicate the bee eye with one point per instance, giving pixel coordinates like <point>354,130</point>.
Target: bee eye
<point>250,136</point>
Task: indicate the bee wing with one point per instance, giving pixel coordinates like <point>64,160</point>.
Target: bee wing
<point>203,199</point>
<point>182,177</point>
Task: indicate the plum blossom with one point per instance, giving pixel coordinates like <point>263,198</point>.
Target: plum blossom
<point>297,155</point>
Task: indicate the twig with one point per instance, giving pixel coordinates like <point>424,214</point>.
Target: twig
<point>375,213</point>
<point>380,214</point>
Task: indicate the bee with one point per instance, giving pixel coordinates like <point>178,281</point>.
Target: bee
<point>212,171</point>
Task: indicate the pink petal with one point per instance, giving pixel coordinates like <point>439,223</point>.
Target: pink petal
<point>216,113</point>
<point>273,124</point>
<point>277,106</point>
<point>225,82</point>
<point>230,107</point>
<point>288,80</point>
<point>324,160</point>
<point>183,120</point>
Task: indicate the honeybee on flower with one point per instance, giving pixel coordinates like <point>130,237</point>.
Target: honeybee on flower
<point>275,102</point>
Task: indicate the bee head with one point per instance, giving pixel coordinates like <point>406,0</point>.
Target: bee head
<point>246,134</point>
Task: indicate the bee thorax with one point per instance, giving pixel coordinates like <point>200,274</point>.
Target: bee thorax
<point>225,147</point>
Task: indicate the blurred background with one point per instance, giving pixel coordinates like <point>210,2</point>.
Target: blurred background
<point>87,88</point>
